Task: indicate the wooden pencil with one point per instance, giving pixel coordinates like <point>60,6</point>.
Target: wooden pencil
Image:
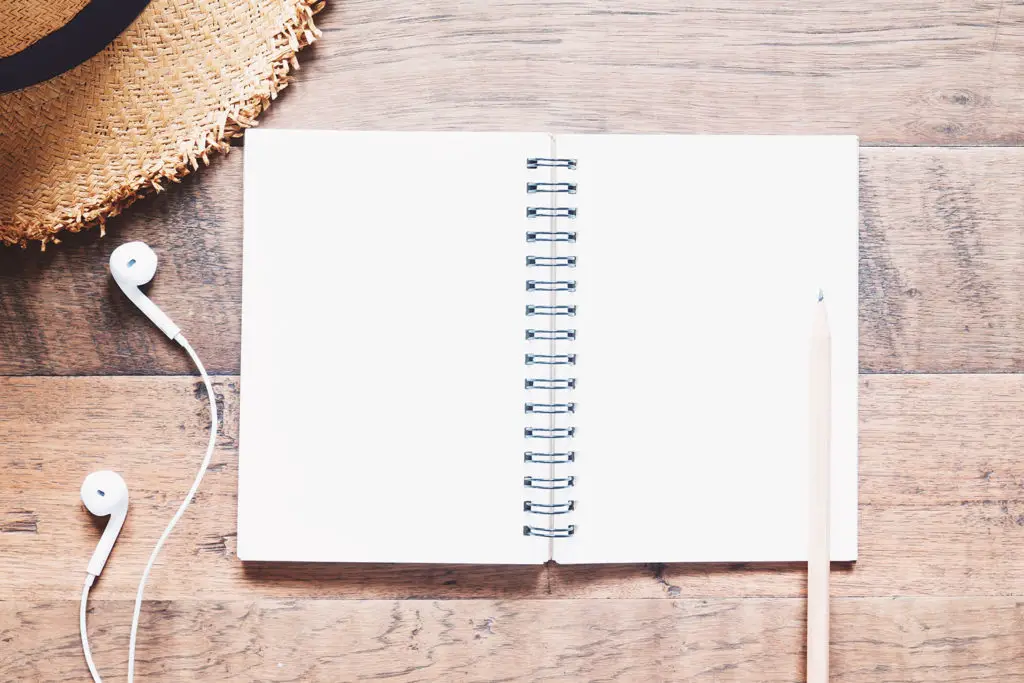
<point>818,557</point>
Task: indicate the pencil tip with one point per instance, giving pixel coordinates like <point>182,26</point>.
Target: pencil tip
<point>821,295</point>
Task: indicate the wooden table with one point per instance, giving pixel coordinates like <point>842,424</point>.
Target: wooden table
<point>936,92</point>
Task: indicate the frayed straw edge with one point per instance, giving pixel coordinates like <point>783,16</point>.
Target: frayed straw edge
<point>297,32</point>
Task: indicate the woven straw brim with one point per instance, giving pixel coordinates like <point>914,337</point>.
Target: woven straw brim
<point>183,80</point>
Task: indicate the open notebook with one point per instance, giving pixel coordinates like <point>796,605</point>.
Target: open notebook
<point>517,347</point>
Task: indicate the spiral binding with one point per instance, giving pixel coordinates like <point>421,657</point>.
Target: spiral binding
<point>566,188</point>
<point>549,484</point>
<point>549,432</point>
<point>551,261</point>
<point>549,508</point>
<point>554,236</point>
<point>550,212</point>
<point>551,408</point>
<point>551,285</point>
<point>550,355</point>
<point>550,458</point>
<point>568,335</point>
<point>540,162</point>
<point>544,532</point>
<point>553,383</point>
<point>551,359</point>
<point>550,310</point>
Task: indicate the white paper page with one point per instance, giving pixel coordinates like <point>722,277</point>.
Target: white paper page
<point>382,348</point>
<point>700,258</point>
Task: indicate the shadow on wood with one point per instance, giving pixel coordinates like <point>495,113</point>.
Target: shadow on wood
<point>426,581</point>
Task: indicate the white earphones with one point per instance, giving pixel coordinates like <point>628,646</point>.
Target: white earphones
<point>133,264</point>
<point>105,493</point>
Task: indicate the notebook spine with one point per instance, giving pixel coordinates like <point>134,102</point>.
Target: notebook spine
<point>550,359</point>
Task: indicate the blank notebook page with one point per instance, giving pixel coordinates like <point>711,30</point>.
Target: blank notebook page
<point>382,362</point>
<point>700,258</point>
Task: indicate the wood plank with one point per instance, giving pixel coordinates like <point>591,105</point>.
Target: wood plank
<point>941,493</point>
<point>263,639</point>
<point>895,73</point>
<point>935,551</point>
<point>941,250</point>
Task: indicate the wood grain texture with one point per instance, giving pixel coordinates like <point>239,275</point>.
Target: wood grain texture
<point>942,256</point>
<point>873,640</point>
<point>942,259</point>
<point>895,73</point>
<point>941,504</point>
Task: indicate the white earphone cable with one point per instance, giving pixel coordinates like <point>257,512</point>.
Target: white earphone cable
<point>174,520</point>
<point>89,578</point>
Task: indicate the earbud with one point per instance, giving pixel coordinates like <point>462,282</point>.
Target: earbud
<point>105,493</point>
<point>133,264</point>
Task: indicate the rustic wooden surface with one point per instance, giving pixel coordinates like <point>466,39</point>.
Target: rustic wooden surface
<point>935,90</point>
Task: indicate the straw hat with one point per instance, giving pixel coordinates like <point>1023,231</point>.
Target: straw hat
<point>133,115</point>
